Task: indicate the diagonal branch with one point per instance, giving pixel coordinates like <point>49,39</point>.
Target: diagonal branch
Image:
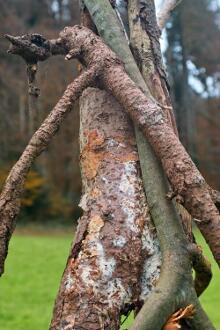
<point>14,186</point>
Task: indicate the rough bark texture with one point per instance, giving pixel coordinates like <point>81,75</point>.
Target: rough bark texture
<point>114,261</point>
<point>186,180</point>
<point>13,188</point>
<point>34,47</point>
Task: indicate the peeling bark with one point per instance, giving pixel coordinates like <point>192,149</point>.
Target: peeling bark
<point>106,275</point>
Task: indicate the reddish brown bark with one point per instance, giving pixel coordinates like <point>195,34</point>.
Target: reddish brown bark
<point>114,261</point>
<point>185,178</point>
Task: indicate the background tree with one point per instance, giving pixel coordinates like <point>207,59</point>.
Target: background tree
<point>194,77</point>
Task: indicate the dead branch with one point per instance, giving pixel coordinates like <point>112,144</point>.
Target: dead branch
<point>14,185</point>
<point>34,47</point>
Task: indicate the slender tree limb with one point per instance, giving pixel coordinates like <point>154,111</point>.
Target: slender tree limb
<point>14,186</point>
<point>165,11</point>
<point>168,298</point>
<point>202,267</point>
<point>145,41</point>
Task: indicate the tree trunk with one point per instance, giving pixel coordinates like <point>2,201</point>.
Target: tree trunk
<point>114,262</point>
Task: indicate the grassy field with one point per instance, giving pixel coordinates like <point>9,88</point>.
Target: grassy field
<point>33,270</point>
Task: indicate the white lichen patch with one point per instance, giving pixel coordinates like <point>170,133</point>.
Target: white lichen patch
<point>129,200</point>
<point>69,282</point>
<point>104,179</point>
<point>111,143</point>
<point>98,277</point>
<point>150,275</point>
<point>147,239</point>
<point>117,293</point>
<point>119,241</point>
<point>83,202</point>
<point>106,265</point>
<point>128,178</point>
<point>151,267</point>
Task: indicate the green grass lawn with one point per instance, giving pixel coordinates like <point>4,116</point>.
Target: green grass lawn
<point>33,271</point>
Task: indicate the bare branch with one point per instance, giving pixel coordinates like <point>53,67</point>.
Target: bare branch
<point>14,186</point>
<point>34,47</point>
<point>165,11</point>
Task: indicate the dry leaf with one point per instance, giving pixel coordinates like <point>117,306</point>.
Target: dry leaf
<point>173,322</point>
